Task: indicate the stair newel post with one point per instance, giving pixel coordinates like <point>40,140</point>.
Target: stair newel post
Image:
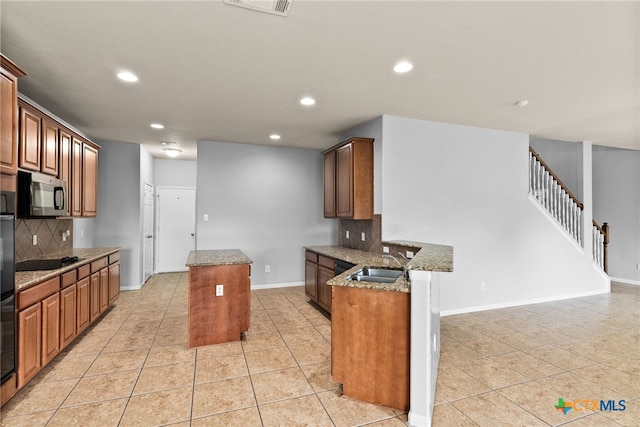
<point>605,245</point>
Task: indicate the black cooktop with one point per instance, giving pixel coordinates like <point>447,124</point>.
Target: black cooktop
<point>46,264</point>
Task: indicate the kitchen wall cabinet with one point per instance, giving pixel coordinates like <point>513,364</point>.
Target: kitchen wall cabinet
<point>348,179</point>
<point>30,142</point>
<point>89,180</point>
<point>9,115</point>
<point>64,169</point>
<point>318,270</point>
<point>76,177</point>
<point>50,147</point>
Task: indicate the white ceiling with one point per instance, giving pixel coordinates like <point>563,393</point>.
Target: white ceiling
<point>216,72</point>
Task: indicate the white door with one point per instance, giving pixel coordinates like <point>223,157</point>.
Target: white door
<point>176,227</point>
<point>147,230</point>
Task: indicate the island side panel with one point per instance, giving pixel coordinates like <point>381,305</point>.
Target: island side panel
<point>370,345</point>
<point>218,319</point>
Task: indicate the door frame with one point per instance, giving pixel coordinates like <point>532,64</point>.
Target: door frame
<point>153,228</point>
<point>156,223</point>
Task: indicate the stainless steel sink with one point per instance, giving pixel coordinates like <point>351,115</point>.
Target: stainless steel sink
<point>380,275</point>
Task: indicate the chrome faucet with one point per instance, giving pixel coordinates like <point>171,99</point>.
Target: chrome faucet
<point>393,258</point>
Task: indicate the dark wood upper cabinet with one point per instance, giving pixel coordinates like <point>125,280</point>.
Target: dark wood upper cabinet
<point>50,148</point>
<point>30,143</point>
<point>348,179</point>
<point>9,73</point>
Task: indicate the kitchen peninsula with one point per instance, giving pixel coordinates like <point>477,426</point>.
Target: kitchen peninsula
<point>219,296</point>
<point>375,344</point>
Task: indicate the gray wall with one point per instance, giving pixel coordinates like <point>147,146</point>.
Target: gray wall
<point>468,187</point>
<point>175,173</point>
<point>616,200</point>
<point>264,200</point>
<point>119,201</point>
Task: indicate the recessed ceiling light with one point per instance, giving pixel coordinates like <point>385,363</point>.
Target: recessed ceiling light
<point>127,76</point>
<point>403,67</point>
<point>274,136</point>
<point>157,125</point>
<point>307,100</point>
<point>522,103</point>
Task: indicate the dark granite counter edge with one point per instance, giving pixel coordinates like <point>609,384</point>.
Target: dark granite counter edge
<point>27,279</point>
<point>204,258</point>
<point>429,258</point>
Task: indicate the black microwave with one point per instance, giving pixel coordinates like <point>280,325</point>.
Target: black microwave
<point>41,195</point>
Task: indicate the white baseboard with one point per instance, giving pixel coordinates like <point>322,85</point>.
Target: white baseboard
<point>276,285</point>
<point>626,281</point>
<point>519,303</point>
<point>131,288</point>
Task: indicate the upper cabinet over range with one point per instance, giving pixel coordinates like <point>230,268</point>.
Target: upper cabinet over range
<point>348,179</point>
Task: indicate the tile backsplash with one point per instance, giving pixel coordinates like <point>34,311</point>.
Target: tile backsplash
<point>370,228</point>
<point>50,237</point>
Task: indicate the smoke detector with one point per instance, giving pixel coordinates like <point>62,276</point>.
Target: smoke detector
<point>275,7</point>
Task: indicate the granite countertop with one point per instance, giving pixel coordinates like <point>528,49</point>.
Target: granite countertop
<point>429,258</point>
<point>25,279</point>
<point>217,257</point>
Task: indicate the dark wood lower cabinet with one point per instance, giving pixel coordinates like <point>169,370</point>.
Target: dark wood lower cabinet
<point>50,328</point>
<point>318,270</point>
<point>370,336</point>
<point>84,297</point>
<point>29,343</point>
<point>68,323</point>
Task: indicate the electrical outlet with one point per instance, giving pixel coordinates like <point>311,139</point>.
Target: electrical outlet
<point>64,237</point>
<point>409,254</point>
<point>267,269</point>
<point>483,286</point>
<point>346,234</point>
<point>206,217</point>
<point>385,249</point>
<point>82,233</point>
<point>362,236</point>
<point>219,290</point>
<point>35,239</point>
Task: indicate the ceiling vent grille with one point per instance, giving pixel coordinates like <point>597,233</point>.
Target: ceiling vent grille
<point>275,7</point>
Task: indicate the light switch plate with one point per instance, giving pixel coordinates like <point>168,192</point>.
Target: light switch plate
<point>219,290</point>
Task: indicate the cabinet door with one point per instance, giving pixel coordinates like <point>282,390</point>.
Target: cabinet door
<point>50,327</point>
<point>49,160</point>
<point>29,343</point>
<point>64,168</point>
<point>76,177</point>
<point>8,123</point>
<point>83,303</point>
<point>311,280</point>
<point>344,181</point>
<point>114,282</point>
<point>324,290</point>
<point>68,324</point>
<point>330,185</point>
<point>30,140</point>
<point>94,296</point>
<point>89,181</point>
<point>104,289</point>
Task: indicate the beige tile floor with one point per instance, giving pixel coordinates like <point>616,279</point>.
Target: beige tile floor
<point>499,367</point>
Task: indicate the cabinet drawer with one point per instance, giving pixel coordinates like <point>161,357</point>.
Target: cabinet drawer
<point>38,292</point>
<point>326,262</point>
<point>69,278</point>
<point>84,271</point>
<point>311,256</point>
<point>99,264</point>
<point>114,257</point>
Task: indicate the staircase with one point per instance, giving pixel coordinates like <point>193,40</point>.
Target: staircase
<point>552,195</point>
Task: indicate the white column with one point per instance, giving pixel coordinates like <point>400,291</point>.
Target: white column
<point>587,197</point>
<point>425,346</point>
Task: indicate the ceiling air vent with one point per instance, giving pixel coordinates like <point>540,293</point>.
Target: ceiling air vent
<point>275,7</point>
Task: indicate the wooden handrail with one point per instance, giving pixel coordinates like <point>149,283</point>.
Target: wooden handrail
<point>564,187</point>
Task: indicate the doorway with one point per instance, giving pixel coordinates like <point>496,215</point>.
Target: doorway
<point>148,232</point>
<point>175,227</point>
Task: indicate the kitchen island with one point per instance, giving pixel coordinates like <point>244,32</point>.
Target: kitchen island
<point>219,296</point>
<point>385,337</point>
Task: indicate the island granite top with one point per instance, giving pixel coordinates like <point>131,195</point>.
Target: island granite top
<point>430,257</point>
<point>26,279</point>
<point>217,257</point>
